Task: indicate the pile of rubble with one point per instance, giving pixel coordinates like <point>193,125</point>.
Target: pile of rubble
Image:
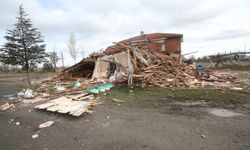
<point>145,67</point>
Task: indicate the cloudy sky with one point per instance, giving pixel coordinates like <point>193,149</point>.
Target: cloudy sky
<point>209,26</point>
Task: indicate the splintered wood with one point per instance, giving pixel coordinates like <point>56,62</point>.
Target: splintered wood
<point>149,67</point>
<point>69,104</point>
<point>159,69</point>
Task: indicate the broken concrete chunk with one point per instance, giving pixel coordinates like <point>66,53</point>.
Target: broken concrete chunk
<point>34,136</point>
<point>17,123</point>
<point>46,124</point>
<point>224,113</point>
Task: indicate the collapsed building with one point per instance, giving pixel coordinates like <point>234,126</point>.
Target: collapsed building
<point>107,64</point>
<point>126,53</point>
<point>147,59</point>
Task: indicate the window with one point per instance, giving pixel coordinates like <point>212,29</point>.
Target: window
<point>139,42</point>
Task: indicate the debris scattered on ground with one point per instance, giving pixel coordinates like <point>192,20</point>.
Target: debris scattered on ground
<point>101,88</point>
<point>11,120</point>
<point>11,97</point>
<point>142,66</point>
<point>35,136</point>
<point>46,124</point>
<point>17,123</point>
<point>34,100</point>
<point>26,93</point>
<point>6,106</point>
<point>80,97</point>
<point>191,103</point>
<point>67,104</point>
<point>59,88</point>
<point>45,95</point>
<point>117,100</point>
<point>224,113</point>
<point>236,88</point>
<point>76,84</point>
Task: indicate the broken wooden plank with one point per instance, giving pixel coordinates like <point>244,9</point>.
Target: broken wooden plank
<point>85,97</point>
<point>54,108</point>
<point>136,53</point>
<point>44,106</point>
<point>81,105</point>
<point>82,110</point>
<point>67,108</point>
<point>77,97</point>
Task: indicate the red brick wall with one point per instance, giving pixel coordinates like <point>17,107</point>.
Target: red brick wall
<point>154,46</point>
<point>172,45</point>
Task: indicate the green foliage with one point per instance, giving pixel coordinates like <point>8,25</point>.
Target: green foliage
<point>24,44</point>
<point>139,95</point>
<point>48,67</point>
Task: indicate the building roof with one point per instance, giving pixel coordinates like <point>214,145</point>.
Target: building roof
<point>113,49</point>
<point>152,36</point>
<point>117,48</point>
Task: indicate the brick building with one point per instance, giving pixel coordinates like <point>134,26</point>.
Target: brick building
<point>167,43</point>
<point>118,61</point>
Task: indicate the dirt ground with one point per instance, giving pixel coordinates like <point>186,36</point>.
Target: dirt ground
<point>149,118</point>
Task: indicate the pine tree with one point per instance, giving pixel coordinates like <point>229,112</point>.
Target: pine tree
<point>24,44</point>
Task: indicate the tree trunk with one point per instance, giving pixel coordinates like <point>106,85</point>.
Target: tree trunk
<point>54,66</point>
<point>27,72</point>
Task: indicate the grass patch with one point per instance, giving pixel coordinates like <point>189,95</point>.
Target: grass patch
<point>174,94</point>
<point>235,67</point>
<point>123,92</point>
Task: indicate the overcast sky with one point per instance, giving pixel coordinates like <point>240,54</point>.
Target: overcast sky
<point>209,26</point>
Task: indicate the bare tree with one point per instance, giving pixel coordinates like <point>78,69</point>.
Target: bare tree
<point>72,46</point>
<point>53,59</point>
<point>62,58</point>
<point>81,50</point>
